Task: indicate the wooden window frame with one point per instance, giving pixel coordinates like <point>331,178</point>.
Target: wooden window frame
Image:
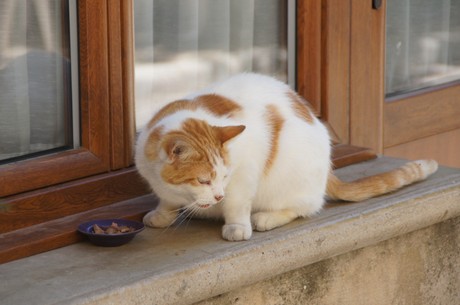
<point>93,157</point>
<point>44,199</point>
<point>412,125</point>
<point>324,59</point>
<point>425,121</point>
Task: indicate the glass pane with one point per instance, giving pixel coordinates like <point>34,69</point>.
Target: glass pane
<point>181,46</point>
<point>423,44</point>
<point>35,98</point>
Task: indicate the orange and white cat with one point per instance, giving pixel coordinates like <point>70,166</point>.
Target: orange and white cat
<point>248,150</point>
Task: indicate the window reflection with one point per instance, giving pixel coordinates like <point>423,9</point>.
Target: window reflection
<point>34,78</point>
<point>423,44</point>
<point>181,46</point>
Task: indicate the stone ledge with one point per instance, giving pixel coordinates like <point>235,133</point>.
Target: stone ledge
<point>420,267</point>
<point>190,262</point>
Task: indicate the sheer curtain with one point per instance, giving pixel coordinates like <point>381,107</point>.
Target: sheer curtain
<point>181,46</point>
<point>423,44</point>
<point>32,78</point>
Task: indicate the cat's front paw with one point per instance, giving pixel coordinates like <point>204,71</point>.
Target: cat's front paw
<point>264,221</point>
<point>236,232</point>
<point>159,219</point>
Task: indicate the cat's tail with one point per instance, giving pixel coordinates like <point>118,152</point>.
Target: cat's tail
<point>380,184</point>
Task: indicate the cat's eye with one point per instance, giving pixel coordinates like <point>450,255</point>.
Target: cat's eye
<point>204,181</point>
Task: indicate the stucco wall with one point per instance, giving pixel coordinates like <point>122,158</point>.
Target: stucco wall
<point>422,267</point>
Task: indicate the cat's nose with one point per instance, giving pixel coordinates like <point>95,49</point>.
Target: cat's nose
<point>218,197</point>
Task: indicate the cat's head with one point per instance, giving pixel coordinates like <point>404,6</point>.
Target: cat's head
<point>194,159</point>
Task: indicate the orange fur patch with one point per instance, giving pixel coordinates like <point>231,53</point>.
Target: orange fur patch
<point>185,172</point>
<point>218,105</point>
<point>169,109</point>
<point>376,185</point>
<point>215,104</point>
<point>151,146</point>
<point>301,107</point>
<point>193,149</point>
<point>201,135</point>
<point>275,122</point>
<point>200,149</point>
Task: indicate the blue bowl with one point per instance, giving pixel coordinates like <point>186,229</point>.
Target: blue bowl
<point>110,240</point>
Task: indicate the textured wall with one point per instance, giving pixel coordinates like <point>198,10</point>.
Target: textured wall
<point>422,267</point>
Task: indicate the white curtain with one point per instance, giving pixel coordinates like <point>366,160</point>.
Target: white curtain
<point>32,108</point>
<point>423,44</point>
<point>182,46</point>
<point>14,93</point>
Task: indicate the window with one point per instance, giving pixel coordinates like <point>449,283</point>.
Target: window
<point>422,77</point>
<point>43,190</point>
<point>404,87</point>
<point>422,44</point>
<point>182,46</point>
<point>36,114</point>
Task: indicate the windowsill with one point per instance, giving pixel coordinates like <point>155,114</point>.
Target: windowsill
<point>191,262</point>
<point>117,194</point>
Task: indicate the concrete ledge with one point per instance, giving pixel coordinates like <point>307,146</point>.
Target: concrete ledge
<point>420,267</point>
<point>189,263</point>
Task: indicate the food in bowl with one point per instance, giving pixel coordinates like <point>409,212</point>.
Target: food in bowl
<point>110,232</point>
<point>114,228</point>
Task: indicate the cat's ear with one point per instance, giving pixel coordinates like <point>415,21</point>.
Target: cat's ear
<point>177,149</point>
<point>228,132</point>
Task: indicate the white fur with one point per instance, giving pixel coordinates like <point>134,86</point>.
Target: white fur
<point>295,184</point>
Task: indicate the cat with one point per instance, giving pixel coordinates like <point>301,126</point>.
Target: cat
<point>251,151</point>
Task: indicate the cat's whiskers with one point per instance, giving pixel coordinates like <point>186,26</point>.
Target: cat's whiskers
<point>187,212</point>
<point>179,213</point>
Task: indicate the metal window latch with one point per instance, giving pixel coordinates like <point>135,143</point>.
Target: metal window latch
<point>376,4</point>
